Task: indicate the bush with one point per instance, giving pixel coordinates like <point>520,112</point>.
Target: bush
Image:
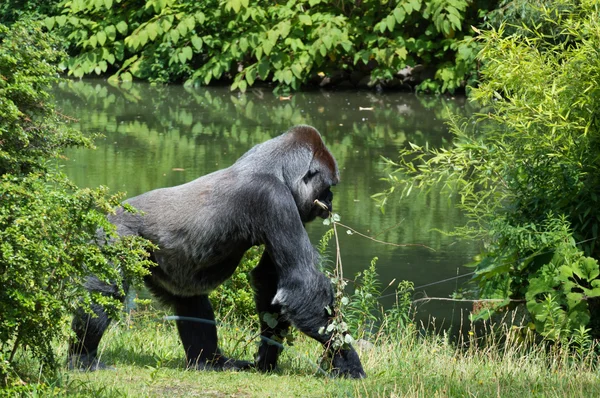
<point>527,169</point>
<point>235,297</point>
<point>48,239</point>
<point>289,43</point>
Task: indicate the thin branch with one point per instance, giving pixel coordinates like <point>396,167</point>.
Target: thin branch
<point>381,241</point>
<point>427,299</point>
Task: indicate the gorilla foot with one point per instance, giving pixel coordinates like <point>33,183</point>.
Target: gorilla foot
<point>222,363</point>
<point>87,363</point>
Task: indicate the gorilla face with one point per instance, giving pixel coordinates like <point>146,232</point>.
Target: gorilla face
<point>316,186</point>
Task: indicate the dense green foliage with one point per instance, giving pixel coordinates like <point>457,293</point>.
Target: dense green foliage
<point>289,43</point>
<point>47,225</point>
<point>13,10</point>
<point>527,169</point>
<point>235,297</point>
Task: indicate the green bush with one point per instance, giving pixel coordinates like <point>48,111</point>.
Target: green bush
<point>289,43</point>
<point>527,168</point>
<point>48,240</point>
<point>235,297</point>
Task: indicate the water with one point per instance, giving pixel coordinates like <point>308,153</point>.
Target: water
<point>157,136</point>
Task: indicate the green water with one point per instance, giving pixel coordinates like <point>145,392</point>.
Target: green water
<point>162,136</point>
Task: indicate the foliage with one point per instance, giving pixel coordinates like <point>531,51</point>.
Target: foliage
<point>48,227</point>
<point>235,297</point>
<point>290,44</point>
<point>363,306</point>
<point>13,10</point>
<point>526,169</point>
<point>30,131</point>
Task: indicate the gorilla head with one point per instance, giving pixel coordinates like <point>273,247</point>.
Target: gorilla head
<point>202,229</point>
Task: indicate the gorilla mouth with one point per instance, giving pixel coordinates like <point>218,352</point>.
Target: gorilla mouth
<point>321,204</point>
<point>324,201</point>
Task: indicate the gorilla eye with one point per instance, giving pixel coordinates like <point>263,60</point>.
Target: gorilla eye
<point>309,175</point>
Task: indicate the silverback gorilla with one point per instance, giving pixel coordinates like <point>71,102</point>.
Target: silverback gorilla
<point>202,229</point>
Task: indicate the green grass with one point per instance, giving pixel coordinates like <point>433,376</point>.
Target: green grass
<point>149,361</point>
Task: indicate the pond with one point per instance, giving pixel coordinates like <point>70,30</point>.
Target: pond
<point>158,136</point>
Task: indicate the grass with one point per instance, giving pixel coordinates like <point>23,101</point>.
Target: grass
<point>149,361</point>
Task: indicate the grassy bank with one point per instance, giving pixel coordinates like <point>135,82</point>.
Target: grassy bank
<point>149,361</point>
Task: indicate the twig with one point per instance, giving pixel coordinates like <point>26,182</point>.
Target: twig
<point>467,300</point>
<point>381,241</point>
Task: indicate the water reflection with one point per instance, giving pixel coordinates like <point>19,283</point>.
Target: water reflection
<point>156,136</point>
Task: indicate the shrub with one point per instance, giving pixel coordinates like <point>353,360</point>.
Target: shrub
<point>527,168</point>
<point>48,227</point>
<point>235,297</point>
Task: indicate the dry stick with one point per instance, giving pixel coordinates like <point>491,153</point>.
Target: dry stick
<point>467,300</point>
<point>381,241</point>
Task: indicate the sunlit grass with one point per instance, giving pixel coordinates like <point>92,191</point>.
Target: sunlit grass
<point>148,358</point>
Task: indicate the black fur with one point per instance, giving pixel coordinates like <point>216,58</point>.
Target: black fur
<point>203,228</point>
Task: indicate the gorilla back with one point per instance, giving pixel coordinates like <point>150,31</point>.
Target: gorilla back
<point>202,229</point>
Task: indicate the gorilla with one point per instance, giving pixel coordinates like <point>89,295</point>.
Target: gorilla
<point>203,228</point>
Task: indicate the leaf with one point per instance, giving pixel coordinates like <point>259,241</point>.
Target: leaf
<point>197,42</point>
<point>108,4</point>
<point>243,86</point>
<point>323,50</point>
<point>251,75</point>
<point>263,69</point>
<point>328,41</point>
<point>143,38</point>
<point>151,30</point>
<point>190,22</point>
<point>243,44</point>
<point>187,52</point>
<point>111,32</point>
<point>61,20</point>
<point>284,29</point>
<point>181,57</point>
<point>288,76</point>
<point>126,77</point>
<point>297,70</point>
<point>49,22</point>
<point>122,27</point>
<point>399,14</point>
<point>174,35</point>
<point>390,22</point>
<point>267,47</point>
<point>236,5</point>
<point>402,53</point>
<point>207,78</point>
<point>305,19</point>
<point>101,36</point>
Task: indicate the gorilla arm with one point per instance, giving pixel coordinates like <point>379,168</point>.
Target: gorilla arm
<point>303,293</point>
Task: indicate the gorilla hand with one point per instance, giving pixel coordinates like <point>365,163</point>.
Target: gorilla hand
<point>345,363</point>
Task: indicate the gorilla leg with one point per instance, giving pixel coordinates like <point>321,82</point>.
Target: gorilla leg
<point>199,337</point>
<point>265,281</point>
<point>88,328</point>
